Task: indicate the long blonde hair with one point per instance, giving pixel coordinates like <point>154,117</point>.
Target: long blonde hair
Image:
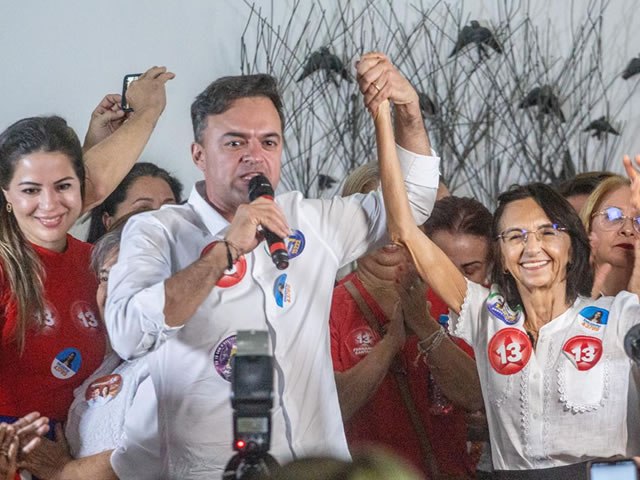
<point>20,265</point>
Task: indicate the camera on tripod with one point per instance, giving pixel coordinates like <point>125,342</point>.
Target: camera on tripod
<point>252,400</point>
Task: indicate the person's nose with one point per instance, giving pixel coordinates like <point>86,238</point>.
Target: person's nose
<point>48,199</point>
<point>254,151</point>
<point>532,241</point>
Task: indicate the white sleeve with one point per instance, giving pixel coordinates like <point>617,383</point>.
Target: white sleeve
<point>134,313</point>
<point>466,324</point>
<point>421,178</point>
<point>352,226</point>
<point>138,454</point>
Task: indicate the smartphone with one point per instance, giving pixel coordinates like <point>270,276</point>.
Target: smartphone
<point>624,469</point>
<point>125,85</point>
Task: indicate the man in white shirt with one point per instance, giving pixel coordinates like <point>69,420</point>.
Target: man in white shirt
<point>189,276</point>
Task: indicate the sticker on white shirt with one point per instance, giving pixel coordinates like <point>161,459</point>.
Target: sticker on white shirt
<point>282,291</point>
<point>360,341</point>
<point>85,318</point>
<point>583,351</point>
<point>593,318</point>
<point>102,390</point>
<point>499,308</point>
<point>222,356</point>
<point>231,276</point>
<point>50,320</point>
<point>509,351</point>
<point>295,243</point>
<point>66,363</point>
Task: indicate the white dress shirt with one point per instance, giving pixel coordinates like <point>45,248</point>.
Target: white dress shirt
<point>190,365</point>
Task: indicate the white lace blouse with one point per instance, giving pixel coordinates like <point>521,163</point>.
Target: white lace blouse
<point>571,399</point>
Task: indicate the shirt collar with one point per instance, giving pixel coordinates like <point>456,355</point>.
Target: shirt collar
<point>214,222</point>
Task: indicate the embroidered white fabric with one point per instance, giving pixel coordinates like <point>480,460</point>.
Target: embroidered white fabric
<point>572,399</point>
<point>93,427</point>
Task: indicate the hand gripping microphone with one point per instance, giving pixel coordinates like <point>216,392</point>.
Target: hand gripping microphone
<point>259,186</point>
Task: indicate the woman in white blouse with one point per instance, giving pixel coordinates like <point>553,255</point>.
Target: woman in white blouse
<point>554,374</point>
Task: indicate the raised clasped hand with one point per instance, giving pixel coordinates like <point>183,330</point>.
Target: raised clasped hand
<point>380,80</point>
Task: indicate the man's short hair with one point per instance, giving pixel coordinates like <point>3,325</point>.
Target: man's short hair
<point>219,95</point>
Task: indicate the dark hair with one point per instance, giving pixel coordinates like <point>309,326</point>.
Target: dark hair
<point>219,95</point>
<point>460,215</point>
<point>583,183</point>
<point>558,209</point>
<point>21,266</point>
<point>110,205</point>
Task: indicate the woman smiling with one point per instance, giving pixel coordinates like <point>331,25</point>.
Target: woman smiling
<point>555,383</point>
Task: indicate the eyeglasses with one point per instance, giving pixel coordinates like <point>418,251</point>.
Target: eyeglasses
<point>612,218</point>
<point>544,233</point>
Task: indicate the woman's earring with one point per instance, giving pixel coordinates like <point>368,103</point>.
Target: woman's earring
<point>9,207</point>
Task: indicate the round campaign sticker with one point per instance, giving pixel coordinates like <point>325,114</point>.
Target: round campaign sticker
<point>102,390</point>
<point>509,351</point>
<point>50,320</point>
<point>85,318</point>
<point>361,341</point>
<point>223,355</point>
<point>295,243</point>
<point>66,364</point>
<point>583,351</point>
<point>231,276</point>
<point>282,291</point>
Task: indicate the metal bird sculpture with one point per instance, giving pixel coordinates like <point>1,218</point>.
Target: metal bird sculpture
<point>325,182</point>
<point>568,170</point>
<point>601,127</point>
<point>427,106</point>
<point>633,68</point>
<point>481,36</point>
<point>323,59</point>
<point>545,99</point>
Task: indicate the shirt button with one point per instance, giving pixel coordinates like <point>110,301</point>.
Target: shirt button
<point>536,416</point>
<point>536,376</point>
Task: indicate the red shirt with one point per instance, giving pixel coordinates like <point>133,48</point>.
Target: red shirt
<point>384,419</point>
<point>62,354</point>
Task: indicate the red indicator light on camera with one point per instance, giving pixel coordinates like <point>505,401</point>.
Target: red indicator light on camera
<point>240,444</point>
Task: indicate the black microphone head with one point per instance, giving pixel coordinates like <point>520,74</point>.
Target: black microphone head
<point>259,186</point>
<point>632,343</point>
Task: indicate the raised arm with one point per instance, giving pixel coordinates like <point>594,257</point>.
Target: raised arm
<point>379,80</point>
<point>110,160</point>
<point>432,264</point>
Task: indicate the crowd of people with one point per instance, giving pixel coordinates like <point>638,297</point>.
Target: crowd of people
<point>468,344</point>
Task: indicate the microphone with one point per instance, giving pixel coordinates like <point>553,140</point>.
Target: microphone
<point>632,343</point>
<point>259,186</point>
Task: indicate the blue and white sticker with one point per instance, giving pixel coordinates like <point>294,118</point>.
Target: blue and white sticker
<point>499,308</point>
<point>593,318</point>
<point>223,355</point>
<point>282,291</point>
<point>66,363</point>
<point>295,243</point>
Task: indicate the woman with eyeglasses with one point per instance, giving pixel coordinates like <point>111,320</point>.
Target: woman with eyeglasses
<point>614,227</point>
<point>555,384</point>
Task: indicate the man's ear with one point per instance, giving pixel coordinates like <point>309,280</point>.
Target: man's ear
<point>198,155</point>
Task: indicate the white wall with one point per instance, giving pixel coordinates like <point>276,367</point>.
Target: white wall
<point>63,56</point>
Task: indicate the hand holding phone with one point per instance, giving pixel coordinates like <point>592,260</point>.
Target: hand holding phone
<point>131,77</point>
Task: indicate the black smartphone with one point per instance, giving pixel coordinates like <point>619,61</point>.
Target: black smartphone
<point>624,469</point>
<point>125,85</point>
